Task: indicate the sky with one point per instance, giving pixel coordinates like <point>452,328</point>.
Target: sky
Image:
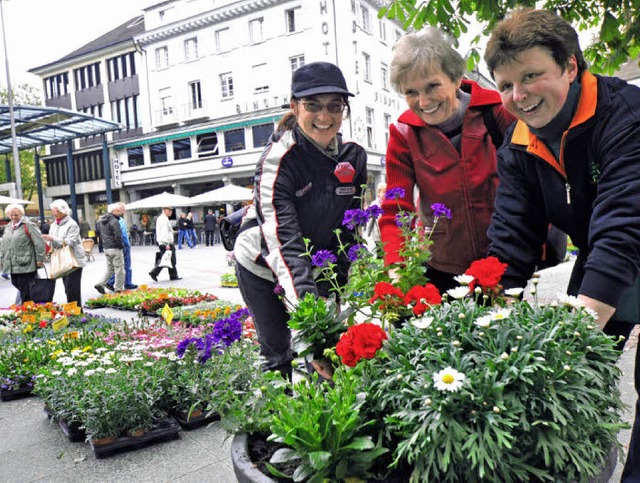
<point>41,31</point>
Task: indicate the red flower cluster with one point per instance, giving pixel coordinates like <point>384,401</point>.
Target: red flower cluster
<point>386,292</point>
<point>486,272</point>
<point>360,341</point>
<point>422,297</point>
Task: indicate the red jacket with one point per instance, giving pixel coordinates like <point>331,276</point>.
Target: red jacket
<point>421,155</point>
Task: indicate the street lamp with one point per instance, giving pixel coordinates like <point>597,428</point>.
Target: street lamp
<point>12,120</point>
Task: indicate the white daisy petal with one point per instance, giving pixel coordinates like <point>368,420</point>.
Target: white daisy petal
<point>514,292</point>
<point>448,379</point>
<point>458,292</point>
<point>422,322</point>
<point>463,279</point>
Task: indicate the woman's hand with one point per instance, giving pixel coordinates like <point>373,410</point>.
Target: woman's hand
<point>47,238</point>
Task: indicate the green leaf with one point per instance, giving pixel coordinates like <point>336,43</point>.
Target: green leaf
<point>284,455</point>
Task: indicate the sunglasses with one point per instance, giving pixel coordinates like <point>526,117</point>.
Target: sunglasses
<point>333,107</point>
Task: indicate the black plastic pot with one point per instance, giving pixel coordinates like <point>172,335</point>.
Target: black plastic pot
<point>245,470</point>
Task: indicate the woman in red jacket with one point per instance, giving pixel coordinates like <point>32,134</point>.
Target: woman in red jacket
<point>445,145</point>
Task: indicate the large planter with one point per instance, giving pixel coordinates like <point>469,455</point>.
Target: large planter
<point>246,470</point>
<point>19,393</point>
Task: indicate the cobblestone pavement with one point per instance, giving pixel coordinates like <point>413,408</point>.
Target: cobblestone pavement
<point>31,449</point>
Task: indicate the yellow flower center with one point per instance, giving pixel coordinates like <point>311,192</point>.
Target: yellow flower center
<point>448,379</point>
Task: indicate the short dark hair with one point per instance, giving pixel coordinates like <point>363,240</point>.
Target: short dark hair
<point>526,28</point>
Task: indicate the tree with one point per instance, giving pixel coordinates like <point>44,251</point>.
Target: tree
<point>23,94</point>
<point>617,23</point>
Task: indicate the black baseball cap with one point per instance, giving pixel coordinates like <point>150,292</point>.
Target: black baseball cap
<point>318,78</point>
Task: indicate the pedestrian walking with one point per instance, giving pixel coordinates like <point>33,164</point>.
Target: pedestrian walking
<point>191,231</point>
<point>210,223</point>
<point>126,252</point>
<point>111,236</point>
<point>164,239</point>
<point>65,231</point>
<point>183,230</point>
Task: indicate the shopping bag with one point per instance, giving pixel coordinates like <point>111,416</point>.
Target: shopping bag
<point>165,261</point>
<point>63,262</point>
<point>42,289</point>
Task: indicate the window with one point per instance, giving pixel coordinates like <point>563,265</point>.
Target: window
<point>290,20</point>
<point>260,78</point>
<point>190,49</point>
<point>226,85</point>
<point>87,76</point>
<point>255,30</point>
<point>234,140</point>
<point>195,95</point>
<point>57,85</point>
<point>387,123</point>
<point>369,127</point>
<point>125,111</point>
<point>364,16</point>
<point>207,144</point>
<point>158,153</point>
<point>135,156</point>
<point>162,58</point>
<point>222,40</point>
<point>384,76</point>
<point>165,101</point>
<point>261,134</point>
<point>367,66</point>
<point>383,30</point>
<point>296,62</point>
<point>181,148</point>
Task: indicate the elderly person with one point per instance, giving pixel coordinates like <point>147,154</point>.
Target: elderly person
<point>572,159</point>
<point>164,239</point>
<point>65,231</point>
<point>113,248</point>
<point>22,250</point>
<point>445,145</point>
<point>306,179</point>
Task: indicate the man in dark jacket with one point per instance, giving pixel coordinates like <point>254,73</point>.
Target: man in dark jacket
<point>111,236</point>
<point>572,160</point>
<point>210,224</point>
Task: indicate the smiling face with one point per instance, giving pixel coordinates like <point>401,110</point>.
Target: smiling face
<point>321,126</point>
<point>432,97</point>
<point>534,87</point>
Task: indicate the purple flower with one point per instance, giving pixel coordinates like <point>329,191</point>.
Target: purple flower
<point>440,210</point>
<point>227,331</point>
<point>374,212</point>
<point>278,290</point>
<point>354,218</point>
<point>184,344</point>
<point>322,258</point>
<point>355,251</point>
<point>394,193</point>
<point>404,219</point>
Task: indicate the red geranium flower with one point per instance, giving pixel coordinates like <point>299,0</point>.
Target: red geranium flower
<point>422,297</point>
<point>486,272</point>
<point>360,341</point>
<point>42,324</point>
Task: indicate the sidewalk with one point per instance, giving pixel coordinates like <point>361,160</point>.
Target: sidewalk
<point>33,450</point>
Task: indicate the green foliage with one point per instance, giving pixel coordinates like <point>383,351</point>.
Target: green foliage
<point>23,94</point>
<point>617,23</point>
<point>325,431</point>
<point>539,399</point>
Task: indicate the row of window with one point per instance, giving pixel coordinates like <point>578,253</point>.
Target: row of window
<point>86,167</point>
<point>222,39</point>
<point>87,76</point>
<point>203,145</point>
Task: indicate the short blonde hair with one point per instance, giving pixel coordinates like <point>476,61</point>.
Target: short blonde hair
<point>14,206</point>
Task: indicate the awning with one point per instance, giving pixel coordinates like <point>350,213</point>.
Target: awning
<point>39,126</point>
<point>232,122</point>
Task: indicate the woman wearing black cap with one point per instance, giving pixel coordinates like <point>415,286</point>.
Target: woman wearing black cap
<point>305,181</point>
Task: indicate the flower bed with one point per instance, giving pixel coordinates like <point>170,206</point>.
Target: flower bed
<point>203,312</point>
<point>148,300</point>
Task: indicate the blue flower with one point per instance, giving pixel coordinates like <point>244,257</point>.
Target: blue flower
<point>356,251</point>
<point>354,218</point>
<point>374,212</point>
<point>322,258</point>
<point>404,220</point>
<point>394,193</point>
<point>440,210</point>
<point>227,331</point>
<point>184,344</point>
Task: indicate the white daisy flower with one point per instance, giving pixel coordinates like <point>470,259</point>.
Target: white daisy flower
<point>448,379</point>
<point>514,292</point>
<point>500,314</point>
<point>56,373</point>
<point>484,322</point>
<point>422,322</point>
<point>100,350</point>
<point>569,300</point>
<point>111,370</point>
<point>463,279</point>
<point>72,371</point>
<point>458,292</point>
<point>90,372</point>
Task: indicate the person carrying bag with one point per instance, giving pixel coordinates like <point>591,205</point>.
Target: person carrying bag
<point>63,261</point>
<point>42,289</point>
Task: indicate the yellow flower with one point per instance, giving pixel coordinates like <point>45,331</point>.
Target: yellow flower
<point>86,349</point>
<point>27,329</point>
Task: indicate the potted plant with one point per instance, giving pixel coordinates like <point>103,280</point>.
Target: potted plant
<point>452,387</point>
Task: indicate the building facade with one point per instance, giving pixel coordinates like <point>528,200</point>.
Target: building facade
<point>199,85</point>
